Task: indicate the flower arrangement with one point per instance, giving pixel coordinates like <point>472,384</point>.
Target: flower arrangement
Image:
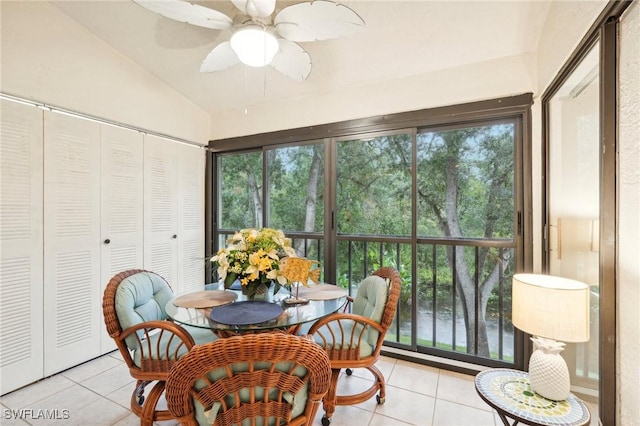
<point>252,256</point>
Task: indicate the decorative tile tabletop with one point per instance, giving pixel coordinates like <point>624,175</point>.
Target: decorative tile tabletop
<point>509,392</point>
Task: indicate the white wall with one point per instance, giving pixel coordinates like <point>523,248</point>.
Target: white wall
<point>566,25</point>
<point>629,218</point>
<point>48,57</point>
<point>491,79</point>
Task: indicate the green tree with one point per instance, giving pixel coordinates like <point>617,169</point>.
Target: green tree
<point>374,186</point>
<point>465,190</point>
<point>241,194</point>
<point>296,177</point>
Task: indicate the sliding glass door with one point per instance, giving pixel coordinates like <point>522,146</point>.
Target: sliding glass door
<point>573,194</point>
<point>441,201</point>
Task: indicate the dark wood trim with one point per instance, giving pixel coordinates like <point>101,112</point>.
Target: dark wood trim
<point>329,210</point>
<point>526,157</point>
<point>209,222</point>
<point>608,219</point>
<point>210,218</point>
<point>544,185</point>
<point>461,113</point>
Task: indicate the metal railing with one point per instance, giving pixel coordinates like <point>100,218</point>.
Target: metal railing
<point>431,316</point>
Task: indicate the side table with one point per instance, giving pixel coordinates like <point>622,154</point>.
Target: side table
<point>509,393</point>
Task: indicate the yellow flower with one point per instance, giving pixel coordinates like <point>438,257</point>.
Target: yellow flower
<point>255,255</point>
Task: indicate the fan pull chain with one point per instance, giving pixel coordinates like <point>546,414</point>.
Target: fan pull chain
<point>246,90</point>
<point>264,82</point>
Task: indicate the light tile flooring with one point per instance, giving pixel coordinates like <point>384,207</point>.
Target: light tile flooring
<point>98,393</point>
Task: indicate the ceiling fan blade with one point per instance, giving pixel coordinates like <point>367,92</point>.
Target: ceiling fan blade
<point>317,20</point>
<point>186,12</point>
<point>220,58</point>
<point>292,61</point>
<point>256,8</point>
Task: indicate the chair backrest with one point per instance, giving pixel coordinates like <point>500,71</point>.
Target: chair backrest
<point>370,302</point>
<point>394,282</point>
<point>271,378</point>
<point>134,314</point>
<point>134,297</point>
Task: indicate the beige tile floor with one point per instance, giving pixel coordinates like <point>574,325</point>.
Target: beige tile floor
<point>98,392</point>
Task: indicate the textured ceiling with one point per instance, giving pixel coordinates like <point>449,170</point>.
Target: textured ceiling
<point>401,38</point>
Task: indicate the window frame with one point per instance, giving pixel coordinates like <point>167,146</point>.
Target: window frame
<point>514,108</point>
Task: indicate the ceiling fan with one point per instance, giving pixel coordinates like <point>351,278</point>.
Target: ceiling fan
<point>258,39</point>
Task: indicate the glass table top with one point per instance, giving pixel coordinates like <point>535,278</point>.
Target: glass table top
<point>292,315</point>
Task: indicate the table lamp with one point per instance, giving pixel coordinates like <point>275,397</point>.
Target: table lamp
<point>550,309</point>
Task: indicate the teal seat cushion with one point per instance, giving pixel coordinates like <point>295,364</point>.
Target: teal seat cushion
<point>369,302</point>
<point>298,401</point>
<point>330,336</point>
<point>163,347</point>
<point>200,335</point>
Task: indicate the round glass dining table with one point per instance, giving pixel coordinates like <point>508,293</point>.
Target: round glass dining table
<point>211,310</point>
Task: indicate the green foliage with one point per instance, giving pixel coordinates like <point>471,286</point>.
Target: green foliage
<point>459,184</point>
<point>290,171</point>
<point>465,182</point>
<point>241,176</point>
<point>373,188</point>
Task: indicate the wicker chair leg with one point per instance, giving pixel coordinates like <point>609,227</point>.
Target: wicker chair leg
<point>329,401</point>
<point>380,398</point>
<point>149,413</point>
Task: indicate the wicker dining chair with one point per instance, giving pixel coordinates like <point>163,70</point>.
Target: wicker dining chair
<point>353,340</point>
<point>263,378</point>
<point>134,313</point>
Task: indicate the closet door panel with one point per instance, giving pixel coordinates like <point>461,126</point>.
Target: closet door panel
<point>21,246</point>
<point>160,208</point>
<point>121,206</point>
<point>191,175</point>
<point>72,299</point>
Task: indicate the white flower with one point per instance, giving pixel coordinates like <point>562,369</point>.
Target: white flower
<point>253,255</point>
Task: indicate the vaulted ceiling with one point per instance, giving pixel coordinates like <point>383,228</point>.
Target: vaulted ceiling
<point>401,39</point>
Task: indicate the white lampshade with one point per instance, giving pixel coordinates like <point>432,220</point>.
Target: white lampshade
<point>254,45</point>
<point>551,307</point>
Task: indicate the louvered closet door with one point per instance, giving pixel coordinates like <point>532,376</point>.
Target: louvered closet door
<point>121,206</point>
<point>21,346</point>
<point>72,299</point>
<point>191,171</point>
<point>161,208</point>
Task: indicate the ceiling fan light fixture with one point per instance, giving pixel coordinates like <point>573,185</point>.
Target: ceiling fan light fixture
<point>254,45</point>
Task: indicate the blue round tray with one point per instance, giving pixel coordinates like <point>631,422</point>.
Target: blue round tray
<point>245,313</point>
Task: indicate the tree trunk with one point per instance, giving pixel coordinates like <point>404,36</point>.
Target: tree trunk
<point>464,278</point>
<point>256,197</point>
<point>311,199</point>
<point>312,192</point>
